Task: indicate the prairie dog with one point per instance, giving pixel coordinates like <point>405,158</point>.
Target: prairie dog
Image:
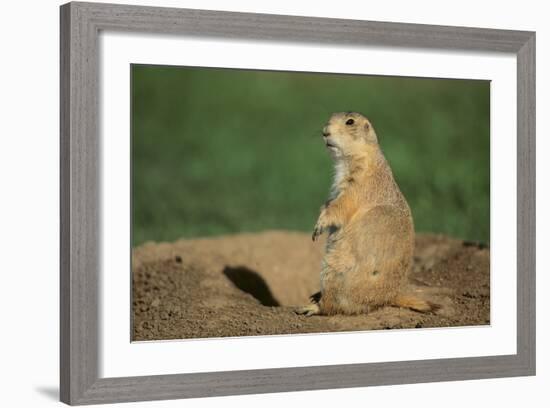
<point>370,228</point>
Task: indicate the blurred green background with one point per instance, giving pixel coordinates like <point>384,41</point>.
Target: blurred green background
<point>219,151</point>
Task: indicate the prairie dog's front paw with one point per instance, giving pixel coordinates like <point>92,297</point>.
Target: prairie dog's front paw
<point>320,227</point>
<point>317,231</point>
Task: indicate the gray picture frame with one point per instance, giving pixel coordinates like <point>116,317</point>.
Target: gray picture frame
<point>81,24</point>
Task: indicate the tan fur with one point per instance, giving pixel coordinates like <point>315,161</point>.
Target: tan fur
<point>371,235</point>
<point>415,303</point>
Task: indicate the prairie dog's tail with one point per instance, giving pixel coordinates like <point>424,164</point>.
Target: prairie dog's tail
<point>415,303</point>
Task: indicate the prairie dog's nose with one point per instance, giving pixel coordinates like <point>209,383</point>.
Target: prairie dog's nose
<point>325,131</point>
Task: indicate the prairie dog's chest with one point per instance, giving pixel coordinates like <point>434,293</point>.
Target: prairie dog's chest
<point>340,174</point>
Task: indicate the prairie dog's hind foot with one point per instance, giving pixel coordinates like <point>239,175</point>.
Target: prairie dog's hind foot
<point>309,310</point>
<point>415,303</point>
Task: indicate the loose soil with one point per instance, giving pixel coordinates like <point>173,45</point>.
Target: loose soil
<point>248,284</point>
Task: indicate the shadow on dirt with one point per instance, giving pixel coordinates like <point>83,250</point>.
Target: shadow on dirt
<point>251,282</point>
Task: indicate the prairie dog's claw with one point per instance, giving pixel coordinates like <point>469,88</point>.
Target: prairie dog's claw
<point>317,230</point>
<point>315,234</point>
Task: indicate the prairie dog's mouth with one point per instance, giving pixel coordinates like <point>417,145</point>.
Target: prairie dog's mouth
<point>330,145</point>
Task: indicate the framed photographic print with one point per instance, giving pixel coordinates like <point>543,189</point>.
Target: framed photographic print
<point>242,192</point>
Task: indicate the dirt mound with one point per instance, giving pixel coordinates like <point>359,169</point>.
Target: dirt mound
<point>247,284</point>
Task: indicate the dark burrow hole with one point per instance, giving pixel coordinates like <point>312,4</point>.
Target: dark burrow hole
<point>251,282</point>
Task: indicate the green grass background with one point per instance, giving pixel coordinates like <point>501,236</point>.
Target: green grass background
<point>218,151</point>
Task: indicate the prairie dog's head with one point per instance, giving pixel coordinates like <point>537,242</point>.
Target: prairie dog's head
<point>348,133</point>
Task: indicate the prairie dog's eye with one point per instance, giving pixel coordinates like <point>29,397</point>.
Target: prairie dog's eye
<point>350,122</point>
